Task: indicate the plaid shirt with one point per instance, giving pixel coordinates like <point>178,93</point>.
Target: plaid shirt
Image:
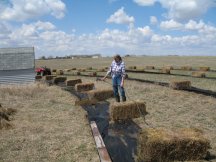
<point>117,69</point>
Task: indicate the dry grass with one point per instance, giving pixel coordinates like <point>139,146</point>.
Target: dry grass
<point>149,67</point>
<point>47,126</point>
<point>168,145</point>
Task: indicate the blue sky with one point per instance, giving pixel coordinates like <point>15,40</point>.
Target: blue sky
<point>149,27</point>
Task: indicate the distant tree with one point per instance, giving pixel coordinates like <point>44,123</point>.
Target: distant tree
<point>42,58</point>
<point>50,57</point>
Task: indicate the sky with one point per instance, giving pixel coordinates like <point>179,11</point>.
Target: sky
<point>108,27</point>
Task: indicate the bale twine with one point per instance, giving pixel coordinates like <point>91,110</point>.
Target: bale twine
<point>165,70</point>
<point>84,87</point>
<point>59,72</point>
<point>101,94</point>
<point>149,67</point>
<point>198,74</point>
<point>57,80</point>
<point>160,145</point>
<point>204,68</point>
<point>37,77</point>
<point>127,110</point>
<point>186,68</point>
<point>93,74</point>
<point>73,82</point>
<point>180,85</point>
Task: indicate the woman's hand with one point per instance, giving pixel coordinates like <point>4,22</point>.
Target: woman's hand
<point>122,84</point>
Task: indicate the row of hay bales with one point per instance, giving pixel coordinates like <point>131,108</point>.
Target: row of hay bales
<point>150,67</point>
<point>5,117</point>
<point>155,144</point>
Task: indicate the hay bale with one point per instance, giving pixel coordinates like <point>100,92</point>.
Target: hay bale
<point>165,145</point>
<point>180,84</point>
<point>89,68</point>
<point>149,67</point>
<point>54,70</point>
<point>37,77</point>
<point>186,68</point>
<point>168,67</point>
<point>204,68</point>
<point>93,74</point>
<point>67,70</point>
<point>73,69</point>
<point>132,67</point>
<point>198,74</point>
<point>49,77</point>
<point>73,82</point>
<point>127,110</point>
<point>165,70</point>
<point>76,73</point>
<point>84,87</point>
<point>59,72</point>
<point>100,94</point>
<point>106,67</point>
<point>59,80</point>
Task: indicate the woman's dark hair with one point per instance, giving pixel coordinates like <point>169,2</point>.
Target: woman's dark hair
<point>117,57</point>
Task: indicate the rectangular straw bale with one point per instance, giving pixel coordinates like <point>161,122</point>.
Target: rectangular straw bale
<point>199,74</point>
<point>49,77</point>
<point>89,68</point>
<point>166,71</point>
<point>54,70</point>
<point>132,67</point>
<point>59,72</point>
<point>38,77</point>
<point>57,80</point>
<point>149,67</point>
<point>73,82</point>
<point>67,70</point>
<point>73,68</point>
<point>93,74</point>
<point>82,70</point>
<point>160,145</point>
<point>180,84</point>
<point>101,70</point>
<point>84,87</point>
<point>188,68</point>
<point>100,94</point>
<point>204,68</point>
<point>127,110</point>
<point>168,67</point>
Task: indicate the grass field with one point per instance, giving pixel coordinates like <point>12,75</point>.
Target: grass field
<point>47,126</point>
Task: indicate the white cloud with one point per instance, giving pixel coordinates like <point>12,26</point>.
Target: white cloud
<point>145,2</point>
<point>153,20</point>
<point>120,17</point>
<point>171,24</point>
<point>21,10</point>
<point>181,10</point>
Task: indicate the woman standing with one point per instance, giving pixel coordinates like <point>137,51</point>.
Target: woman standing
<point>117,71</point>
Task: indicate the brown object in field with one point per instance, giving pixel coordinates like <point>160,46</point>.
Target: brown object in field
<point>89,68</point>
<point>54,70</point>
<point>100,94</point>
<point>67,70</point>
<point>186,68</point>
<point>59,72</point>
<point>204,68</point>
<point>165,70</point>
<point>37,77</point>
<point>59,80</point>
<point>132,67</point>
<point>180,84</point>
<point>84,87</point>
<point>93,74</point>
<point>165,145</point>
<point>49,77</point>
<point>149,67</point>
<point>198,74</point>
<point>106,67</point>
<point>73,69</point>
<point>4,124</point>
<point>85,101</point>
<point>73,82</point>
<point>4,117</point>
<point>127,110</point>
<point>168,67</point>
<point>76,73</point>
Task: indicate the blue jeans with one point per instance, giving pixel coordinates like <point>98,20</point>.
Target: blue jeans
<point>116,82</point>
